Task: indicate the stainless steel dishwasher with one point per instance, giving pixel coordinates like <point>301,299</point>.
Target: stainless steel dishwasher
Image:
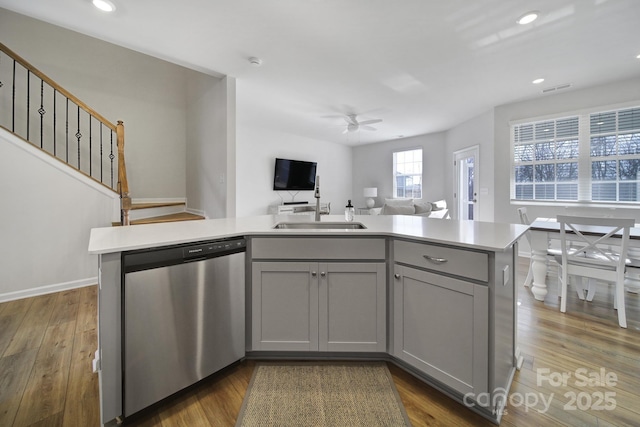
<point>183,317</point>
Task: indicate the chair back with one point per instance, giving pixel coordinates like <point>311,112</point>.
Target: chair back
<point>589,241</point>
<point>524,219</point>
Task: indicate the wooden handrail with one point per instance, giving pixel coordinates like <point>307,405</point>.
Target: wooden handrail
<point>56,86</point>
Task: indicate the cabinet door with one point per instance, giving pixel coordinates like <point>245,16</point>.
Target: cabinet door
<point>352,307</point>
<point>285,306</point>
<point>441,327</point>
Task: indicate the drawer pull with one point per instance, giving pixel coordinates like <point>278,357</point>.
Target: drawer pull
<point>314,274</point>
<point>397,276</point>
<point>323,274</point>
<point>434,259</point>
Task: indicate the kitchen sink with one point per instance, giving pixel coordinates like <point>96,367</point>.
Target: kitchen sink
<point>320,226</point>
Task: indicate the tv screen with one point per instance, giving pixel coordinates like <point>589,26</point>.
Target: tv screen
<point>294,175</point>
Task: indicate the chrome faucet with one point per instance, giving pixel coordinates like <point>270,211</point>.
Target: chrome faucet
<point>317,196</point>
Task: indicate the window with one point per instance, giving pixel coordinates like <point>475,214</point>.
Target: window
<point>592,157</point>
<point>407,174</point>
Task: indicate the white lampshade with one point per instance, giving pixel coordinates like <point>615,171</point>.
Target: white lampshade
<point>370,192</point>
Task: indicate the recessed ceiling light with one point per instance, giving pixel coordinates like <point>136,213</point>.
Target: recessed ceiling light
<point>638,56</point>
<point>104,5</point>
<point>537,81</point>
<point>528,17</point>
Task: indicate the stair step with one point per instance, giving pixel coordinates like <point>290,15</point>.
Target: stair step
<point>181,216</point>
<point>143,210</point>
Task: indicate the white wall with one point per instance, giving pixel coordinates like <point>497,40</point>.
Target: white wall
<point>46,218</point>
<point>211,145</point>
<point>148,94</point>
<point>373,167</point>
<point>477,131</point>
<point>603,95</point>
<point>257,149</point>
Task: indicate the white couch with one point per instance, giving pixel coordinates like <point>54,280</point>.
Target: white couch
<point>437,209</point>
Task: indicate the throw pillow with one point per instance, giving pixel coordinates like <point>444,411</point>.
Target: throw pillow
<point>423,207</point>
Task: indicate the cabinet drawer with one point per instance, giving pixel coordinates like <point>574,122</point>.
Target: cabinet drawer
<point>324,248</point>
<point>460,262</point>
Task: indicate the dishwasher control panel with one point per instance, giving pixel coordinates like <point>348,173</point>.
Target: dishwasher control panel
<point>144,259</point>
<point>212,248</point>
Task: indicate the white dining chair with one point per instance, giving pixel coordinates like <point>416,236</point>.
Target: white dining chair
<point>590,255</point>
<point>524,219</point>
<point>551,253</point>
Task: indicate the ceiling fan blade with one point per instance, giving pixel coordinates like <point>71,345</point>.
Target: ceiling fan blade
<point>370,122</point>
<point>365,127</point>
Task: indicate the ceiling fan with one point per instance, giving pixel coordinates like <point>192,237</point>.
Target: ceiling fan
<point>353,125</point>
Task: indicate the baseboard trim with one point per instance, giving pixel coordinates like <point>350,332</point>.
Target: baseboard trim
<point>196,212</point>
<point>47,289</point>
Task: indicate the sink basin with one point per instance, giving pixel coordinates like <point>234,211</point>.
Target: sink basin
<point>320,225</point>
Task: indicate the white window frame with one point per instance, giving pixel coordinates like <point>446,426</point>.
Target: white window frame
<point>420,174</point>
<point>584,159</point>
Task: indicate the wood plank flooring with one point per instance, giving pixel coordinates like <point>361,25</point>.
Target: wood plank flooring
<point>47,344</point>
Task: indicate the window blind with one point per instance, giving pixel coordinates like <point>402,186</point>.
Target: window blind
<point>592,157</point>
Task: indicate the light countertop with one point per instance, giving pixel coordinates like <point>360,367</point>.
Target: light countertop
<point>473,234</point>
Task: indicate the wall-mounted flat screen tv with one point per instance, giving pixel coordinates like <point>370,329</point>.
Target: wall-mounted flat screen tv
<point>294,175</point>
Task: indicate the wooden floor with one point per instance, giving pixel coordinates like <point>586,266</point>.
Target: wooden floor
<point>47,344</point>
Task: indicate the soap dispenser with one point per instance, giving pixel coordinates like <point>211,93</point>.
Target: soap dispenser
<point>349,211</point>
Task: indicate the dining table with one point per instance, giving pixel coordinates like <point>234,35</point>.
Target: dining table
<point>544,230</point>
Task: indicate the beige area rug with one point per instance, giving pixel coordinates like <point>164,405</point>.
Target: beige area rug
<point>322,394</point>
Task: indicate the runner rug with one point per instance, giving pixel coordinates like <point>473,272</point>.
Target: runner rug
<point>321,394</point>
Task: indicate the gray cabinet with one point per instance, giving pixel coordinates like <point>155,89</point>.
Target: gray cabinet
<point>453,319</point>
<point>352,307</point>
<point>441,328</point>
<point>310,306</point>
<point>284,306</point>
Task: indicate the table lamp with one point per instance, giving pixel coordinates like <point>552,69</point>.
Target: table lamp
<point>370,193</point>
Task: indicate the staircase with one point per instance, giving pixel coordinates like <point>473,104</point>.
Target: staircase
<point>150,213</point>
<point>44,114</point>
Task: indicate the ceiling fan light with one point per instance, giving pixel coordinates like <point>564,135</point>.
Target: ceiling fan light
<point>528,17</point>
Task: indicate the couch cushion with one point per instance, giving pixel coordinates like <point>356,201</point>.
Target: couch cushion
<point>398,202</point>
<point>398,210</point>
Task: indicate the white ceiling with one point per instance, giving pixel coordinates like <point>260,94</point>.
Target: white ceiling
<point>420,65</point>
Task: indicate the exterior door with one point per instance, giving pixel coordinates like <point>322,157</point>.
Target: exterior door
<point>465,181</point>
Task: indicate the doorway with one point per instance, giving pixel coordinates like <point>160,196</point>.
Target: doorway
<point>465,191</point>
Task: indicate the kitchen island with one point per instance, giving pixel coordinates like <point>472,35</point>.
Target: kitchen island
<point>436,297</point>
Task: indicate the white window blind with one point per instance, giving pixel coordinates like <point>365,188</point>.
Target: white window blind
<point>614,151</point>
<point>407,174</point>
<point>591,157</point>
